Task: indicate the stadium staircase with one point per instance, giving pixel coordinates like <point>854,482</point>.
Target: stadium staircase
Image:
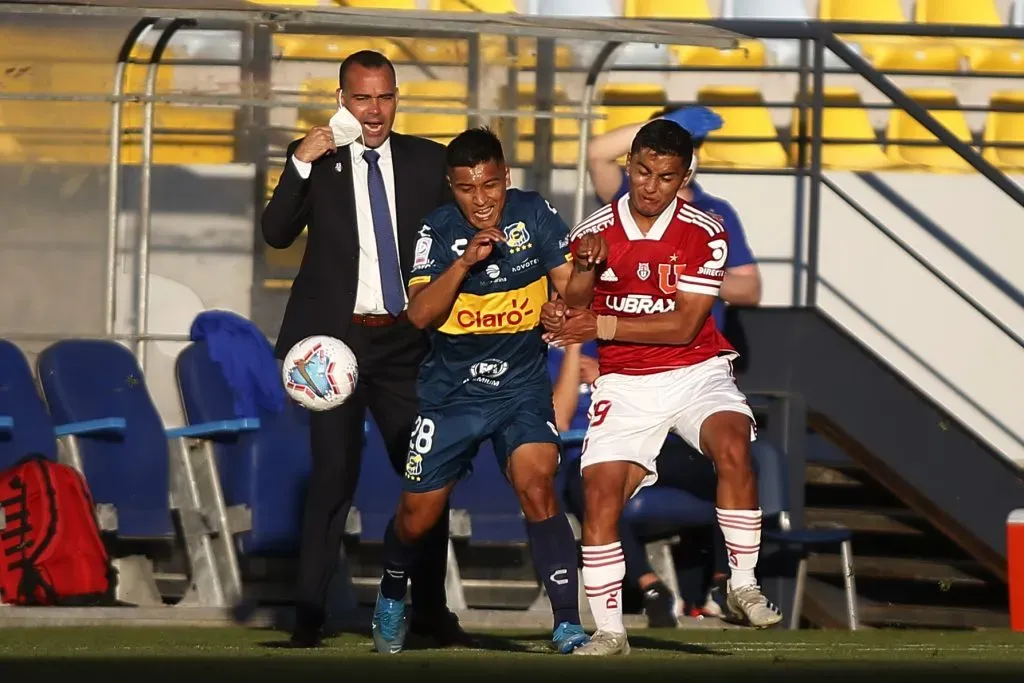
<point>926,499</point>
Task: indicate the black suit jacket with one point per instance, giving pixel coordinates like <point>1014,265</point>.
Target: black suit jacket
<point>323,295</point>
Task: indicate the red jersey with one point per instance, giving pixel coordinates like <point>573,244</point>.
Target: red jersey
<point>684,251</point>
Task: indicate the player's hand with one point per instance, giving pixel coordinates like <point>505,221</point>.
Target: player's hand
<point>580,326</point>
<point>481,246</point>
<point>592,251</point>
<point>552,314</point>
<point>318,142</point>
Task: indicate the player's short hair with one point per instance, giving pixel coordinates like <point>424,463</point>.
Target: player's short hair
<point>367,59</point>
<point>697,142</point>
<point>662,136</point>
<point>472,147</point>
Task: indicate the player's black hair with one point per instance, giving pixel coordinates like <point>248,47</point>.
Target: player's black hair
<point>474,146</point>
<point>662,136</point>
<point>367,59</point>
<point>697,142</point>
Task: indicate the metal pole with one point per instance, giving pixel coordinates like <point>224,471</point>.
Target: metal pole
<point>146,186</point>
<point>801,181</point>
<point>542,128</point>
<point>114,173</point>
<point>588,106</point>
<point>814,205</point>
<point>473,78</point>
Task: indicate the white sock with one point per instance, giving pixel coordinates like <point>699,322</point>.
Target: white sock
<point>742,531</point>
<point>604,567</point>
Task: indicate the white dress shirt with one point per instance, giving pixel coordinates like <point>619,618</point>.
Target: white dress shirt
<point>369,294</point>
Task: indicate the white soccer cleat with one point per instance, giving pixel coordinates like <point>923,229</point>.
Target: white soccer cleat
<point>604,644</point>
<point>748,605</point>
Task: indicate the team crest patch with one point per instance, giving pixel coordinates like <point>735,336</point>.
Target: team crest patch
<point>643,271</point>
<point>517,237</point>
<point>414,466</point>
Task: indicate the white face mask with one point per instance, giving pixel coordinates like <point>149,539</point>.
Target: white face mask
<point>345,126</point>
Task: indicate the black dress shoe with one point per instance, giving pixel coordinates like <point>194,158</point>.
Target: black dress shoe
<point>305,637</point>
<point>443,627</point>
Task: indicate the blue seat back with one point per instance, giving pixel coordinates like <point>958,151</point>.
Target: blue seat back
<point>495,515</point>
<point>91,380</point>
<point>266,470</point>
<point>772,478</point>
<point>20,400</point>
<point>378,488</point>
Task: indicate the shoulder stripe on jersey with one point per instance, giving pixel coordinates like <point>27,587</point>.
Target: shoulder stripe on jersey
<point>700,219</point>
<point>595,222</point>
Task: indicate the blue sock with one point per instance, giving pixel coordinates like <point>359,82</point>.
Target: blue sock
<point>553,548</point>
<point>398,558</point>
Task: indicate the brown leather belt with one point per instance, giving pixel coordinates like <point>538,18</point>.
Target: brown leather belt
<point>381,320</point>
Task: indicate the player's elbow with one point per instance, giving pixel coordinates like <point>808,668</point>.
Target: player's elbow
<point>419,318</point>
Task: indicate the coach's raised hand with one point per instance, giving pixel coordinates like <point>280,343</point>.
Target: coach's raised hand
<point>481,246</point>
<point>318,142</point>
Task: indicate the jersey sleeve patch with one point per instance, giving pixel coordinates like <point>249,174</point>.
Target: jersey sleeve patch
<point>706,254</point>
<point>430,256</point>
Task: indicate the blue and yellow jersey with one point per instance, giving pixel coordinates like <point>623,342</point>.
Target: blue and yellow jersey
<point>490,345</point>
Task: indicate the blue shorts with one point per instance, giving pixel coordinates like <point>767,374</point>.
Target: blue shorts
<point>444,442</point>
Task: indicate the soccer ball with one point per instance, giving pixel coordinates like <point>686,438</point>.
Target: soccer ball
<point>320,372</point>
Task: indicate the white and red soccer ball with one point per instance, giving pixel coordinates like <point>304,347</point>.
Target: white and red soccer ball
<point>320,372</point>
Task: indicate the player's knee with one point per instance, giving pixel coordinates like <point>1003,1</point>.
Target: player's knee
<point>417,514</point>
<point>536,494</point>
<point>732,458</point>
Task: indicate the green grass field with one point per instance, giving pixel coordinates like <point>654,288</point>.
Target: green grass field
<point>186,655</point>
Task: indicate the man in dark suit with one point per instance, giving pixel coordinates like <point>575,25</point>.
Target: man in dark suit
<point>362,203</point>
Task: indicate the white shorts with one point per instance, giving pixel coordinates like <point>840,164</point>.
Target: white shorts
<point>630,415</point>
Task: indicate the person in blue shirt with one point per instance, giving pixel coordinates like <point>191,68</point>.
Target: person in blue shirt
<point>742,284</point>
<point>480,273</point>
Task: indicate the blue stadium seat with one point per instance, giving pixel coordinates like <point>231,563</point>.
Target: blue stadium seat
<point>145,471</point>
<point>25,424</point>
<point>266,470</point>
<point>378,489</point>
<point>494,512</point>
<point>773,488</point>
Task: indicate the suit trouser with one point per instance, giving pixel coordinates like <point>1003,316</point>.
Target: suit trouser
<point>389,358</point>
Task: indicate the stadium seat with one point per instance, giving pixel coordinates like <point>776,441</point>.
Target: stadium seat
<point>266,470</point>
<point>740,122</point>
<point>750,53</point>
<point>145,471</point>
<point>891,53</point>
<point>623,104</point>
<point>850,122</point>
<point>1006,127</point>
<point>316,91</point>
<point>773,495</point>
<point>902,128</point>
<point>993,55</point>
<point>441,127</point>
<point>333,48</point>
<point>784,52</point>
<point>565,148</point>
<point>31,428</point>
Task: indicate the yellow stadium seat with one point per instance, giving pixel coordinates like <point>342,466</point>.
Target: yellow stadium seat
<point>1005,126</point>
<point>982,54</point>
<point>903,128</point>
<point>848,123</point>
<point>490,6</point>
<point>334,48</point>
<point>436,94</point>
<point>740,122</point>
<point>626,103</point>
<point>379,4</point>
<point>892,53</point>
<point>566,132</point>
<point>750,53</point>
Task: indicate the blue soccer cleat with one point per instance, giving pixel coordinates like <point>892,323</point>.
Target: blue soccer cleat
<point>388,625</point>
<point>567,637</point>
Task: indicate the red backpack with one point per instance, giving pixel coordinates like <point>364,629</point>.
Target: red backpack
<point>51,552</point>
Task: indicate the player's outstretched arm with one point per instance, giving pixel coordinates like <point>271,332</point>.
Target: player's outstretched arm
<point>589,252</point>
<point>430,303</point>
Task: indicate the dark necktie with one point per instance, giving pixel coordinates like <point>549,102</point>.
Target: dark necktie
<point>387,252</point>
